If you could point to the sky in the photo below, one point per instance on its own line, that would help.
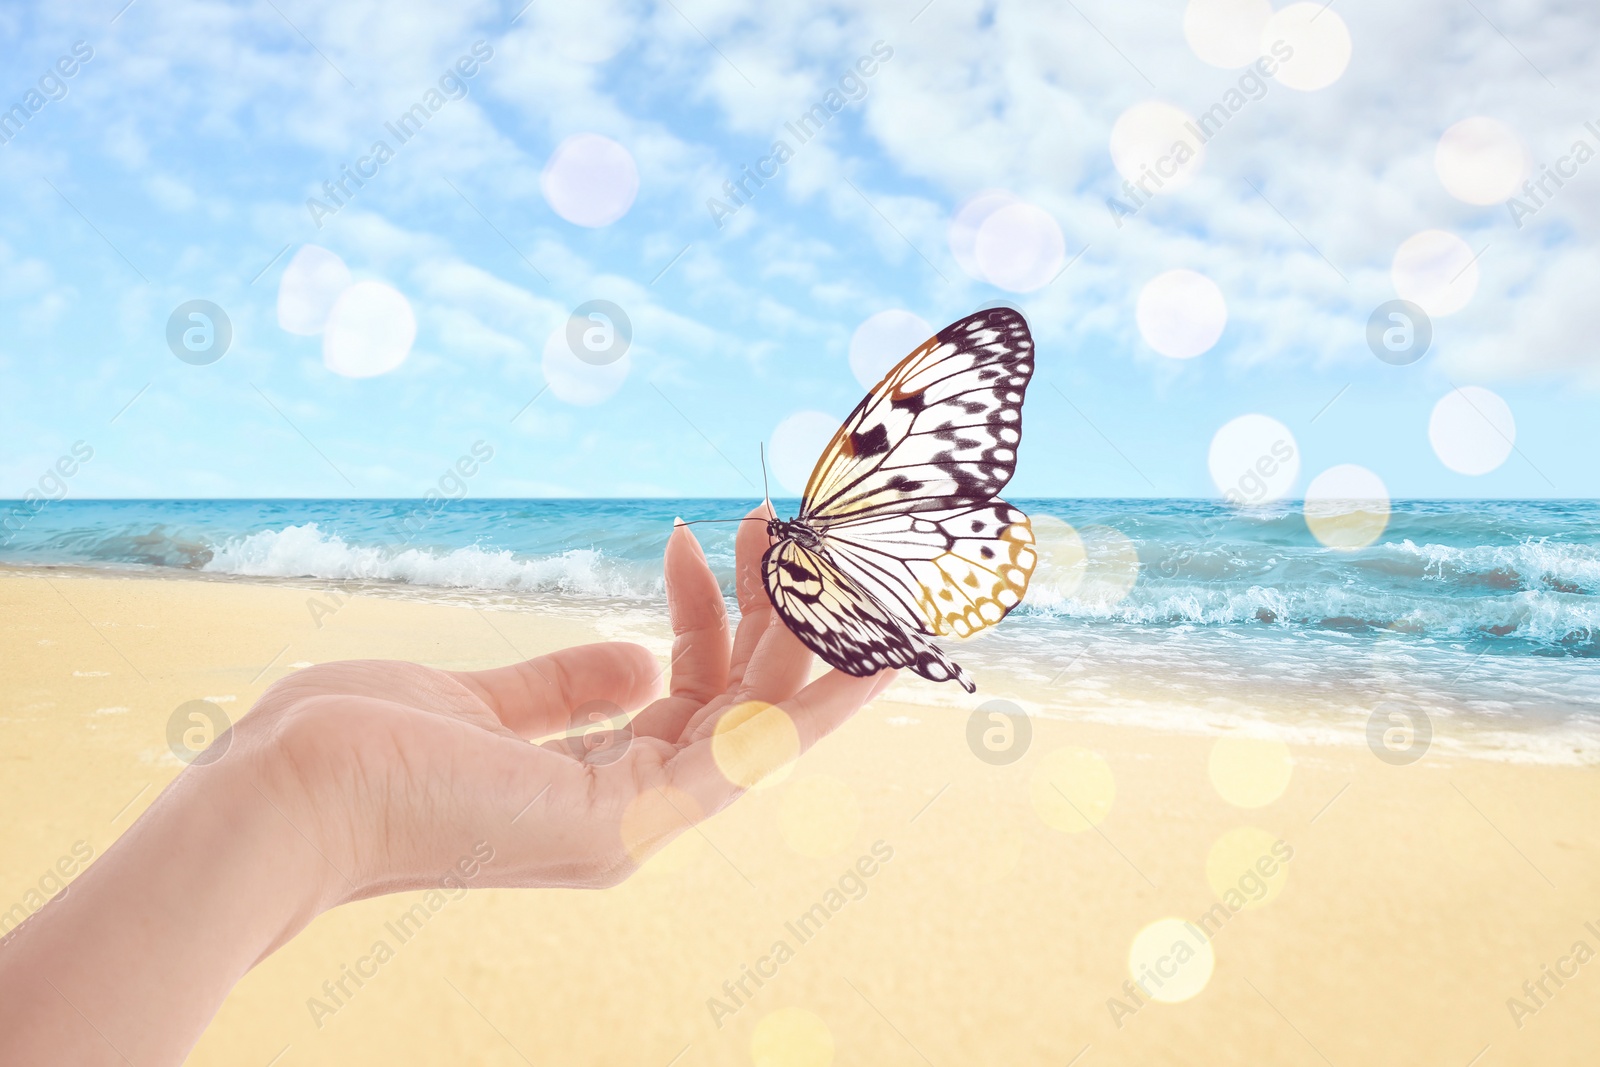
(1357, 153)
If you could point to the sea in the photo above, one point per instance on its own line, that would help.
(1464, 626)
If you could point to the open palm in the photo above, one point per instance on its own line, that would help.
(401, 774)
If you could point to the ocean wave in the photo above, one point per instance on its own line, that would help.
(1558, 621)
(1533, 563)
(1536, 592)
(309, 552)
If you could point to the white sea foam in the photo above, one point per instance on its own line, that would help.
(1555, 564)
(1542, 616)
(308, 552)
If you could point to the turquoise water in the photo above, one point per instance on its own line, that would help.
(1516, 576)
(1490, 608)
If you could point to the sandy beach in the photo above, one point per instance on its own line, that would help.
(896, 898)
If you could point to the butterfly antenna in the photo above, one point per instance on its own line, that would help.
(766, 494)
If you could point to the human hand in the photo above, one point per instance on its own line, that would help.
(396, 773)
(352, 779)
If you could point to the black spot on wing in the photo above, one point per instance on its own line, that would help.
(912, 402)
(872, 442)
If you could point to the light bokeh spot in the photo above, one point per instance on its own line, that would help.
(578, 381)
(1063, 559)
(796, 445)
(1250, 772)
(1481, 160)
(962, 233)
(590, 180)
(656, 817)
(1019, 248)
(1347, 507)
(1154, 140)
(1241, 862)
(1472, 430)
(1171, 960)
(1320, 40)
(1181, 313)
(1254, 459)
(1226, 33)
(1072, 789)
(755, 743)
(369, 331)
(1111, 566)
(820, 815)
(311, 284)
(1435, 270)
(883, 340)
(791, 1037)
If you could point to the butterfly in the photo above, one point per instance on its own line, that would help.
(901, 535)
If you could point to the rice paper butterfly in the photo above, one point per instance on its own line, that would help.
(901, 534)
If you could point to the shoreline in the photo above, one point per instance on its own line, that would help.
(1114, 694)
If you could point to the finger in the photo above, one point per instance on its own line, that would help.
(816, 711)
(769, 663)
(537, 697)
(756, 614)
(701, 643)
(755, 606)
(780, 665)
(777, 669)
(827, 703)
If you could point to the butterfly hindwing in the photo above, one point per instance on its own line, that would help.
(940, 431)
(842, 623)
(944, 572)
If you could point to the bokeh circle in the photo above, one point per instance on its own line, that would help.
(590, 180)
(1020, 248)
(1254, 459)
(369, 331)
(1472, 430)
(1347, 507)
(1181, 313)
(1481, 160)
(883, 340)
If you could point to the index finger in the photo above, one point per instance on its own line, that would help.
(700, 646)
(755, 607)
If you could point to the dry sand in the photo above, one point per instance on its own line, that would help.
(1417, 901)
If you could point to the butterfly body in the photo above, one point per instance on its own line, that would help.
(801, 533)
(901, 535)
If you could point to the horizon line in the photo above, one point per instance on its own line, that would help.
(665, 497)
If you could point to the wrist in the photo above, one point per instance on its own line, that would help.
(207, 882)
(248, 835)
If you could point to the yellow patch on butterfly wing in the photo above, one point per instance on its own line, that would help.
(964, 591)
(943, 572)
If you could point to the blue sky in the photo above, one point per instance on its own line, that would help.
(176, 163)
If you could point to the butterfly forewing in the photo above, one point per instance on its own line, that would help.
(939, 432)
